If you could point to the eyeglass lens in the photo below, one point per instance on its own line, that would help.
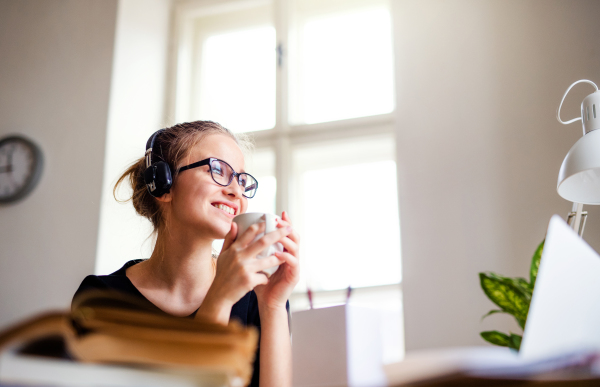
(222, 174)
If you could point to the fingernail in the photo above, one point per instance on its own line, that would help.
(288, 228)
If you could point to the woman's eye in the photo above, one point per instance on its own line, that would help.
(216, 168)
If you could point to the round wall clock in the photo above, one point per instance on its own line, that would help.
(20, 168)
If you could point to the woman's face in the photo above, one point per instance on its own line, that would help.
(196, 197)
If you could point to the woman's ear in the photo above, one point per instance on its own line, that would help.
(166, 198)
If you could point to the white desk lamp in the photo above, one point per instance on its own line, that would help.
(579, 176)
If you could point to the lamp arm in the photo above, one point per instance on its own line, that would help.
(563, 100)
(576, 218)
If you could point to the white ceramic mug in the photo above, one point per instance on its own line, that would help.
(248, 219)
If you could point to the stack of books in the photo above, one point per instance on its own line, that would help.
(112, 339)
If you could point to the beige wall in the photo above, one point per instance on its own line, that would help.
(55, 69)
(75, 75)
(479, 148)
(137, 101)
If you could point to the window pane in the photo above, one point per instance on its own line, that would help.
(349, 219)
(237, 87)
(344, 66)
(261, 165)
(231, 60)
(264, 201)
(355, 237)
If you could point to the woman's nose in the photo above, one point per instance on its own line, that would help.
(234, 189)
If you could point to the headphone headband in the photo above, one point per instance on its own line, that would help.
(150, 145)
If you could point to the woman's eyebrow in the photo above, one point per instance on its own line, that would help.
(242, 170)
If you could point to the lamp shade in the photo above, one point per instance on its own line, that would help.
(579, 176)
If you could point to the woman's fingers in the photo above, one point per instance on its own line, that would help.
(267, 262)
(289, 245)
(285, 217)
(230, 237)
(292, 237)
(251, 233)
(285, 221)
(267, 240)
(288, 258)
(261, 278)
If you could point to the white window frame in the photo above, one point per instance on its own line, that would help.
(284, 136)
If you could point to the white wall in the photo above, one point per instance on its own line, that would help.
(136, 111)
(479, 148)
(75, 75)
(55, 69)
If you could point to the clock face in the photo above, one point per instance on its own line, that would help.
(20, 168)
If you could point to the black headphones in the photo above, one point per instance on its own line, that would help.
(157, 176)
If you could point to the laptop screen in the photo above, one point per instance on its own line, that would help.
(564, 315)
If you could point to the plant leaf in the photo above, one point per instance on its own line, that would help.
(524, 285)
(515, 341)
(519, 282)
(496, 338)
(493, 311)
(509, 296)
(535, 264)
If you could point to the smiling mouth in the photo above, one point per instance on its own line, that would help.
(224, 208)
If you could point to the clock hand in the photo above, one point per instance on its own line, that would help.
(8, 168)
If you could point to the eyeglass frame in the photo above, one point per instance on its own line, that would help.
(235, 174)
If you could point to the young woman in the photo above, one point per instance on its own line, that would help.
(183, 277)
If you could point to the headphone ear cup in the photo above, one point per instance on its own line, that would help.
(158, 179)
(163, 178)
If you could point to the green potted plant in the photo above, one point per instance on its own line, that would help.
(512, 296)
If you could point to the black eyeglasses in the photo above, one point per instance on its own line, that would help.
(223, 175)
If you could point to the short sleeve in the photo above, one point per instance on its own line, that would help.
(116, 281)
(91, 282)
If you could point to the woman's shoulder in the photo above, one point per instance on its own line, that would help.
(115, 281)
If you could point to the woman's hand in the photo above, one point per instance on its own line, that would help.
(238, 269)
(275, 293)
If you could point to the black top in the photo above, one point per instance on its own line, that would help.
(245, 310)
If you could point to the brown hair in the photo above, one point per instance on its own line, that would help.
(172, 146)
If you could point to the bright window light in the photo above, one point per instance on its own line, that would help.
(264, 201)
(237, 84)
(345, 67)
(351, 233)
(261, 165)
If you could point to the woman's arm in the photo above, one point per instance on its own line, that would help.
(275, 345)
(239, 271)
(275, 348)
(214, 309)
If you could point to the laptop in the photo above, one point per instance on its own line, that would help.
(564, 314)
(562, 330)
